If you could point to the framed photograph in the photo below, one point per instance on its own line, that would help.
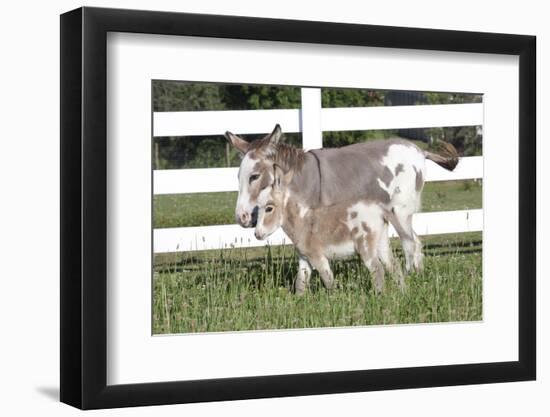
(258, 208)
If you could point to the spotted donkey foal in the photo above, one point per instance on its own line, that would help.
(324, 233)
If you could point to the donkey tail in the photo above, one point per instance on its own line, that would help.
(447, 156)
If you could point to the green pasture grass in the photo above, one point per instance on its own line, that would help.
(250, 289)
(183, 210)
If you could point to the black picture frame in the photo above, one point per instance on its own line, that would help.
(84, 207)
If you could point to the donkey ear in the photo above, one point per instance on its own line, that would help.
(239, 143)
(276, 135)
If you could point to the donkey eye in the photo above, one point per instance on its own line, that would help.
(269, 209)
(253, 178)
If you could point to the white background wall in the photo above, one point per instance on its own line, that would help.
(29, 225)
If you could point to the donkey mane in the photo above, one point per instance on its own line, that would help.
(289, 157)
(283, 154)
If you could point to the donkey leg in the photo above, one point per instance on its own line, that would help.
(368, 252)
(386, 256)
(322, 265)
(303, 276)
(417, 255)
(401, 219)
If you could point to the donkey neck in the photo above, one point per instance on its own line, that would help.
(305, 186)
(298, 218)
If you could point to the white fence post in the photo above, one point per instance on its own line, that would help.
(310, 118)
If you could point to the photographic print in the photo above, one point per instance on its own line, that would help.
(291, 207)
(284, 189)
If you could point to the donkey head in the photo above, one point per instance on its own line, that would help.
(255, 173)
(271, 207)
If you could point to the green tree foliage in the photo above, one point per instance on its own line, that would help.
(189, 152)
(213, 151)
(351, 97)
(259, 97)
(466, 139)
(263, 97)
(179, 96)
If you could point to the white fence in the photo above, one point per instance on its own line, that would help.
(311, 120)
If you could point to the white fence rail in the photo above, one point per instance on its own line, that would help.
(206, 180)
(232, 235)
(311, 120)
(216, 122)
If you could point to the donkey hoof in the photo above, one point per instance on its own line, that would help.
(299, 289)
(419, 263)
(331, 286)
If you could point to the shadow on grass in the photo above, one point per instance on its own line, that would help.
(458, 244)
(289, 264)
